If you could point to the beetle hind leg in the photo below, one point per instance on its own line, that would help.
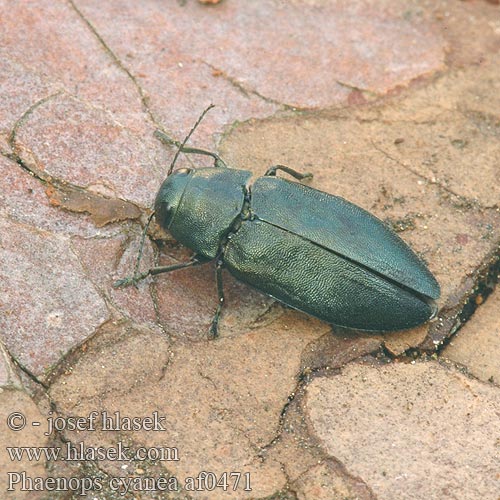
(271, 172)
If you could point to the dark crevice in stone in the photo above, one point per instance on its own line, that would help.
(142, 93)
(486, 282)
(247, 91)
(29, 374)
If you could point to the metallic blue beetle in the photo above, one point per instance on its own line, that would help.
(310, 250)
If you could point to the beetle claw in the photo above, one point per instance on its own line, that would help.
(213, 333)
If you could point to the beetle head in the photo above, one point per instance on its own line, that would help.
(170, 194)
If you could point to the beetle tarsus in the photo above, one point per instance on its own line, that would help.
(271, 172)
(213, 333)
(130, 280)
(121, 283)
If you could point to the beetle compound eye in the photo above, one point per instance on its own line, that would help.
(164, 214)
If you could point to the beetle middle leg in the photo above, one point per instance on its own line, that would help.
(271, 172)
(214, 328)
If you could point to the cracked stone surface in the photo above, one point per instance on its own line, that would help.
(393, 425)
(61, 308)
(392, 105)
(235, 414)
(355, 47)
(81, 145)
(14, 399)
(323, 481)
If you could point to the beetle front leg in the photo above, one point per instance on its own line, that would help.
(271, 172)
(214, 328)
(165, 139)
(133, 280)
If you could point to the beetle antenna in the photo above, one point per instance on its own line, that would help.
(183, 143)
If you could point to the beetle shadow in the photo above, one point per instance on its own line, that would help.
(186, 301)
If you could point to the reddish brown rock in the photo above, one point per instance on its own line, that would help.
(74, 142)
(187, 300)
(23, 199)
(308, 56)
(337, 348)
(222, 399)
(60, 308)
(325, 482)
(18, 412)
(409, 427)
(84, 85)
(17, 401)
(135, 303)
(20, 88)
(477, 344)
(9, 378)
(63, 51)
